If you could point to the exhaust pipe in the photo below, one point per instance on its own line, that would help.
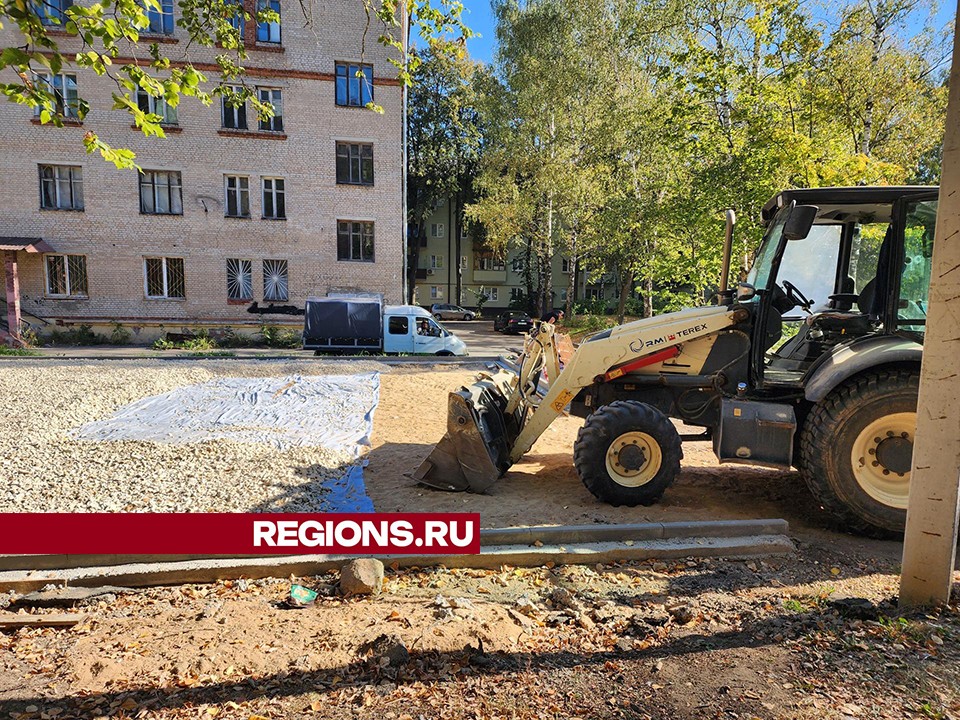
(725, 296)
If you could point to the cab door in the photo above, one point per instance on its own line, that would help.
(915, 218)
(429, 337)
(398, 334)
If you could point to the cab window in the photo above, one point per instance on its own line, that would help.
(398, 325)
(921, 218)
(811, 264)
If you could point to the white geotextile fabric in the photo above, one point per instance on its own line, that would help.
(330, 411)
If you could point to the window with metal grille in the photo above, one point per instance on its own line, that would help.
(160, 193)
(274, 97)
(61, 187)
(275, 281)
(51, 12)
(354, 85)
(355, 240)
(269, 32)
(239, 279)
(238, 196)
(274, 202)
(156, 106)
(63, 87)
(354, 163)
(163, 278)
(66, 275)
(161, 21)
(233, 113)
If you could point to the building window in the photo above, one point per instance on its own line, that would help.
(436, 293)
(492, 293)
(156, 106)
(437, 230)
(593, 293)
(274, 204)
(275, 283)
(355, 240)
(51, 12)
(269, 32)
(564, 265)
(237, 21)
(354, 164)
(517, 264)
(239, 279)
(354, 84)
(160, 193)
(238, 196)
(66, 275)
(163, 278)
(61, 187)
(488, 261)
(63, 87)
(233, 114)
(516, 294)
(436, 262)
(563, 294)
(274, 97)
(161, 21)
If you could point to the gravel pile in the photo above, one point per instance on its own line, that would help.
(43, 470)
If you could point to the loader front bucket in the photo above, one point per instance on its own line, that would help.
(475, 450)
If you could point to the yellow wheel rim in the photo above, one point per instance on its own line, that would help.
(881, 458)
(633, 459)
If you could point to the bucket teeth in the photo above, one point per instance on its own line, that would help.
(475, 450)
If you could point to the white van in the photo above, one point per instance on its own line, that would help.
(362, 324)
(411, 329)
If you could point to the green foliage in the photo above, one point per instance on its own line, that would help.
(17, 351)
(618, 133)
(480, 298)
(82, 335)
(29, 337)
(275, 337)
(120, 335)
(590, 307)
(109, 33)
(201, 341)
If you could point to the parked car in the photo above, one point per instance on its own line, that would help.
(512, 321)
(451, 312)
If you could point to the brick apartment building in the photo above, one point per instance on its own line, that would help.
(230, 211)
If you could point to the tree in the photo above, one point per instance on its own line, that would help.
(443, 140)
(111, 29)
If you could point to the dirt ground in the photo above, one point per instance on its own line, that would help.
(685, 640)
(814, 635)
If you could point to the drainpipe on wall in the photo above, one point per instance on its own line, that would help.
(449, 247)
(405, 29)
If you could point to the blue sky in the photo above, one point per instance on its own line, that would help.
(479, 18)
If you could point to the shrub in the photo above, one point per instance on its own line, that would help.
(83, 335)
(120, 335)
(275, 337)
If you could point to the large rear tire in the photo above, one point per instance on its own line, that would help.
(627, 453)
(857, 448)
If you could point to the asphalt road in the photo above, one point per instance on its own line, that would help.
(480, 337)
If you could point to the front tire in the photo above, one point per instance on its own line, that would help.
(438, 316)
(467, 317)
(857, 448)
(627, 453)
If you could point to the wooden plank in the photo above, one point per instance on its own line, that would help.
(54, 620)
(930, 540)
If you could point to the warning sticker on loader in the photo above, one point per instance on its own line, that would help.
(562, 399)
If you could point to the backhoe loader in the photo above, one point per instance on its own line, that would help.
(811, 362)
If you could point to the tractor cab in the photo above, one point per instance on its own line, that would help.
(837, 268)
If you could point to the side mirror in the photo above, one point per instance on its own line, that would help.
(746, 291)
(800, 221)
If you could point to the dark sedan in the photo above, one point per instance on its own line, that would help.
(512, 322)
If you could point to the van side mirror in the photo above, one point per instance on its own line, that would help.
(800, 221)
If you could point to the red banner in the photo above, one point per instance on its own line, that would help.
(239, 533)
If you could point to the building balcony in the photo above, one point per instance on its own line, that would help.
(490, 276)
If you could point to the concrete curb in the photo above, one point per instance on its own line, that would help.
(489, 537)
(145, 574)
(386, 360)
